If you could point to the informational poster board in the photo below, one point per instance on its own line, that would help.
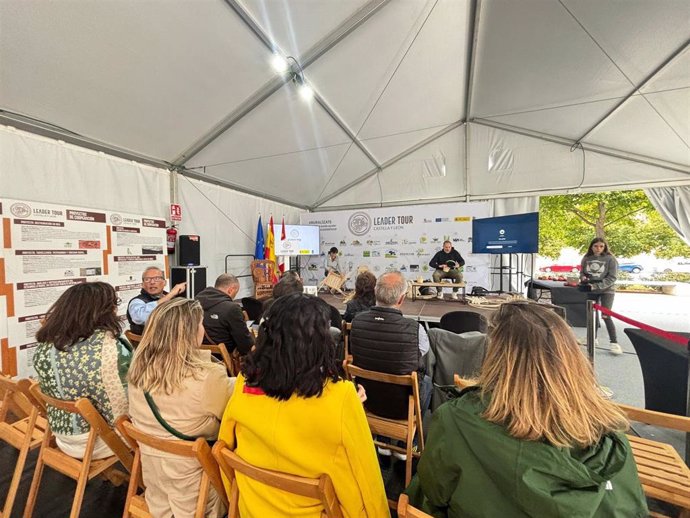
(47, 248)
(397, 238)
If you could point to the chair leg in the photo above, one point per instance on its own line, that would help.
(36, 481)
(83, 475)
(16, 477)
(204, 487)
(133, 482)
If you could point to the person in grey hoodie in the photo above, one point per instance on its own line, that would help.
(598, 274)
(223, 318)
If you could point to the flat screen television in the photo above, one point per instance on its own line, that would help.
(299, 240)
(514, 234)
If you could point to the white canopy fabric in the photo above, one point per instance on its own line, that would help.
(416, 100)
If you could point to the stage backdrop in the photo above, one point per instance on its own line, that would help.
(47, 248)
(397, 238)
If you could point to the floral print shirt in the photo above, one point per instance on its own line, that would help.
(95, 368)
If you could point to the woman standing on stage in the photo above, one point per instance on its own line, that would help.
(598, 274)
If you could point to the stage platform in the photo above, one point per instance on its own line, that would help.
(422, 310)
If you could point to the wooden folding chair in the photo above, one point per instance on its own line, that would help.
(334, 282)
(320, 489)
(663, 473)
(400, 429)
(20, 427)
(347, 327)
(81, 470)
(135, 505)
(405, 510)
(133, 338)
(231, 360)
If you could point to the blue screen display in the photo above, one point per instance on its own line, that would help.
(514, 234)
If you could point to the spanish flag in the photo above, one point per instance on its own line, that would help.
(270, 251)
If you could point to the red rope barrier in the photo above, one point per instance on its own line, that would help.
(654, 330)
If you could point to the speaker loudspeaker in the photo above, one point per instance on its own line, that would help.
(190, 251)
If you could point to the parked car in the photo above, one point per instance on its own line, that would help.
(560, 268)
(630, 268)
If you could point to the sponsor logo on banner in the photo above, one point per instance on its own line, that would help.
(462, 218)
(116, 219)
(21, 210)
(359, 223)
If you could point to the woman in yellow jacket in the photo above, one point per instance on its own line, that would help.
(294, 413)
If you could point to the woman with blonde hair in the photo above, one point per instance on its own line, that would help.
(170, 376)
(535, 438)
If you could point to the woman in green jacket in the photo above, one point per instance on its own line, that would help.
(534, 439)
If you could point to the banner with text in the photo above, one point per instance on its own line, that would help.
(47, 248)
(397, 238)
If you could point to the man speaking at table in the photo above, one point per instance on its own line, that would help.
(447, 264)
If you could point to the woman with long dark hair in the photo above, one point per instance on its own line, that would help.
(363, 298)
(81, 354)
(598, 274)
(535, 438)
(295, 413)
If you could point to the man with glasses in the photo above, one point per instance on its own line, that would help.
(152, 293)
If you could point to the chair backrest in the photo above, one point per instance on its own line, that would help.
(388, 395)
(231, 360)
(253, 307)
(405, 510)
(133, 338)
(320, 489)
(346, 328)
(661, 419)
(198, 449)
(463, 321)
(84, 408)
(14, 398)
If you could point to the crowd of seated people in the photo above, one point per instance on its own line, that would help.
(534, 439)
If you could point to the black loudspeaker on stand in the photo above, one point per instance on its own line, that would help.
(189, 251)
(194, 276)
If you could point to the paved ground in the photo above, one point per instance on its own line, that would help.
(622, 374)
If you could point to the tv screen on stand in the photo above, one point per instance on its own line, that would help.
(514, 234)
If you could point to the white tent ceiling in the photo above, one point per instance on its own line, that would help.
(415, 100)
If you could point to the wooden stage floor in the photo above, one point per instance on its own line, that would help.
(422, 310)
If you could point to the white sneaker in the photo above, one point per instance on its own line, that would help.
(384, 452)
(616, 349)
(454, 296)
(400, 456)
(439, 295)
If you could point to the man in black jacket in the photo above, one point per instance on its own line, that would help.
(383, 340)
(447, 263)
(223, 318)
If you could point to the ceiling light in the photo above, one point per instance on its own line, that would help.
(305, 91)
(279, 63)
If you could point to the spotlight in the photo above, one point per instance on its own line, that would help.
(279, 63)
(305, 91)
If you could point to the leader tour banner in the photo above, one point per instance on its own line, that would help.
(47, 248)
(397, 238)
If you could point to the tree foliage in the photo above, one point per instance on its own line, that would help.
(626, 219)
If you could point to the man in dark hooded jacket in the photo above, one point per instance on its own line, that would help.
(223, 318)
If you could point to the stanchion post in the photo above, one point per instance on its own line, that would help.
(687, 410)
(591, 331)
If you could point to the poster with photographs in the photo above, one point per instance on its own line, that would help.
(48, 248)
(397, 238)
